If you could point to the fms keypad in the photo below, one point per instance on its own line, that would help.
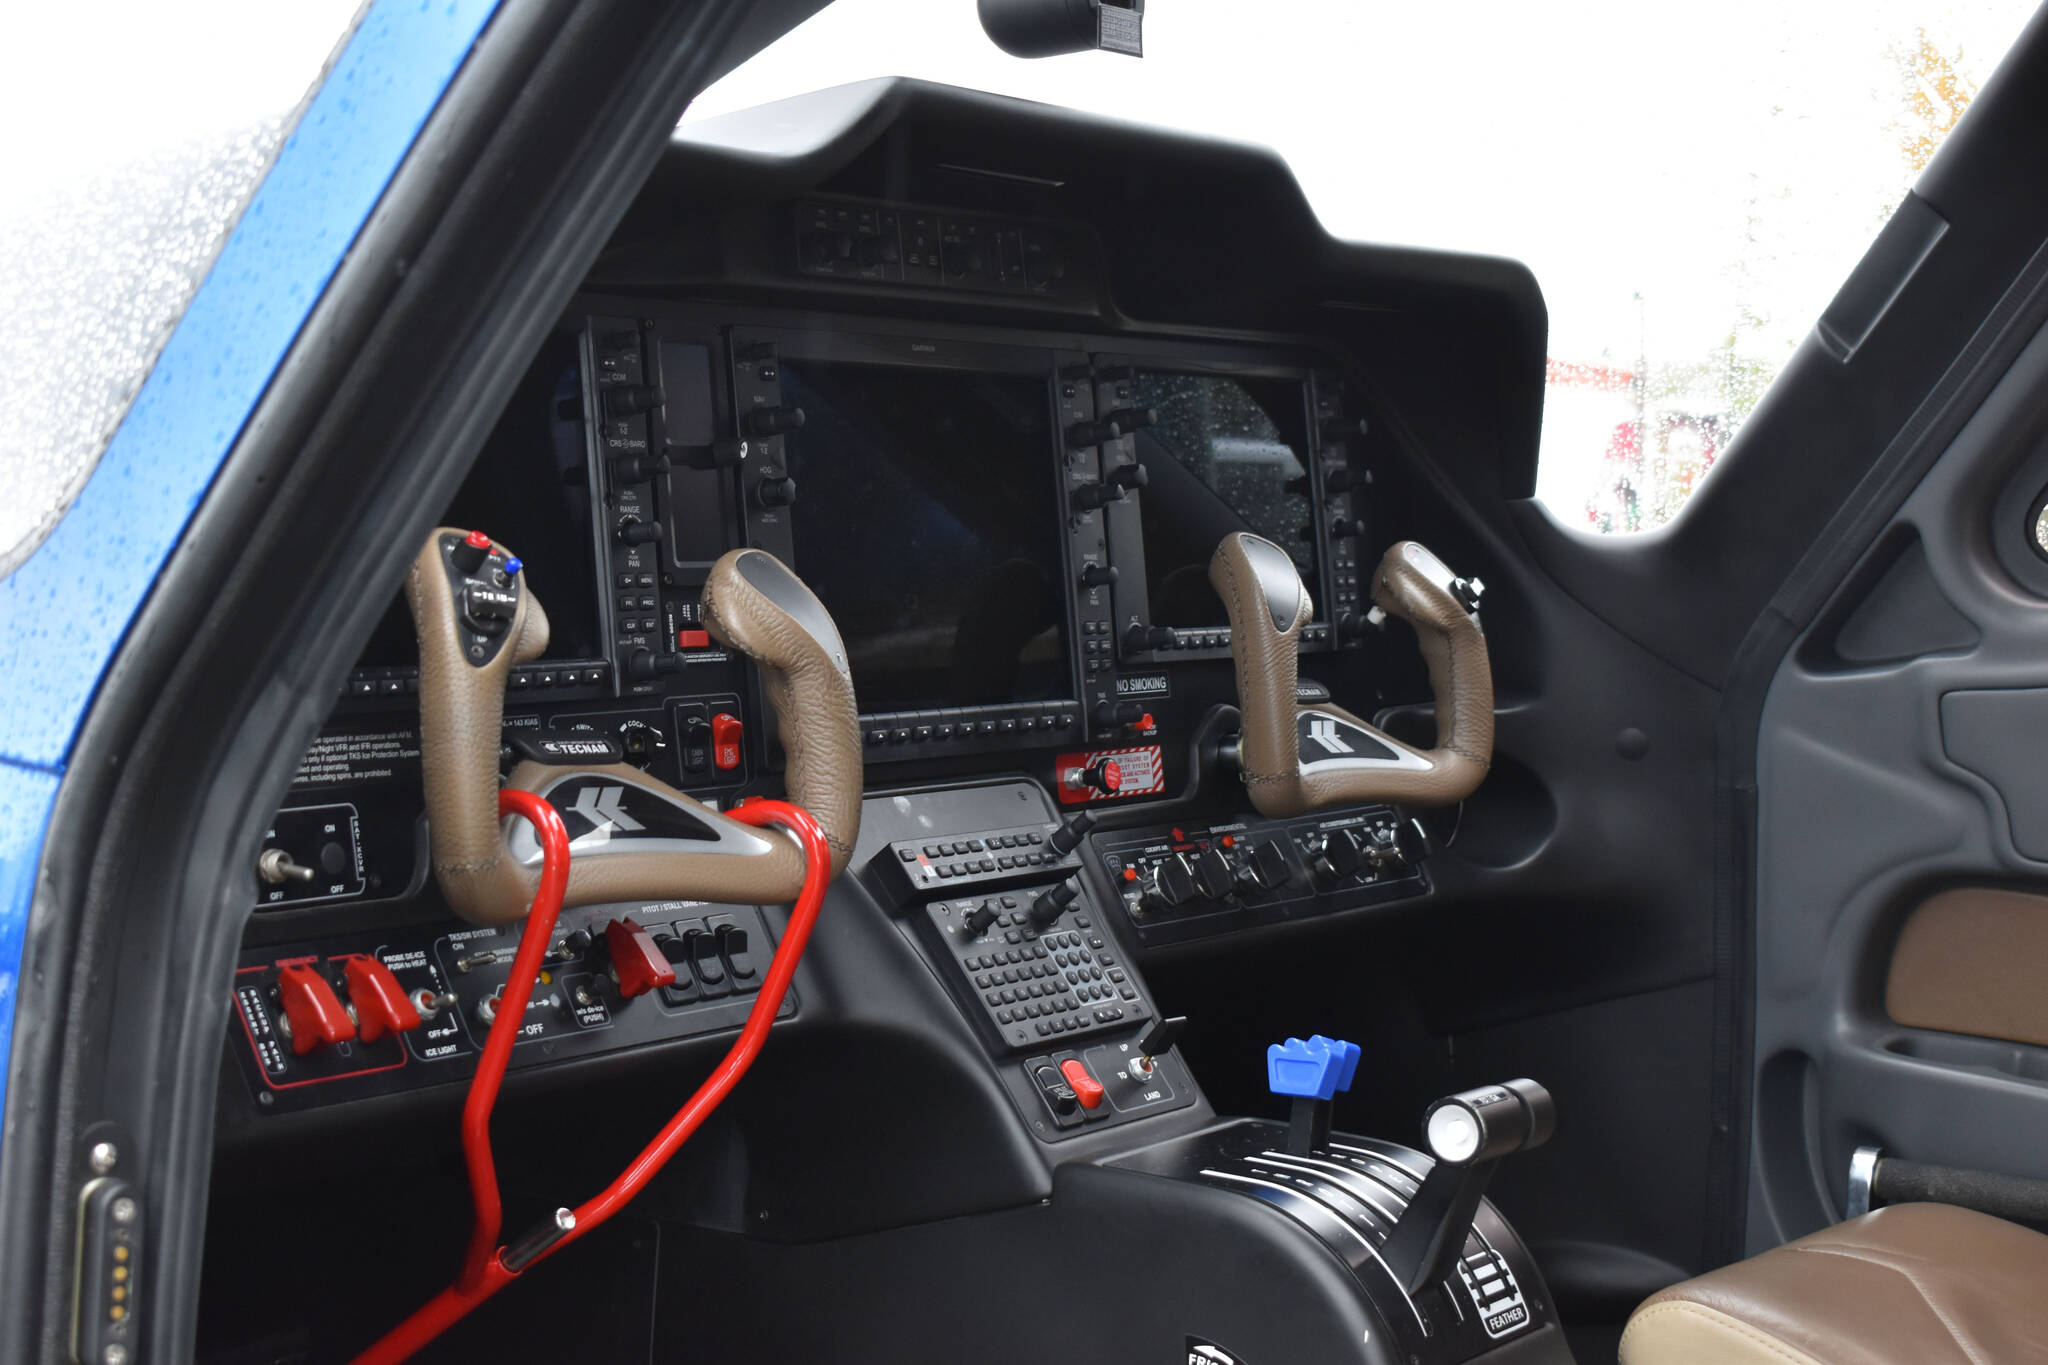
(1036, 981)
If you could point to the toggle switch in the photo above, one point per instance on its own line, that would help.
(702, 948)
(638, 964)
(1086, 1088)
(376, 999)
(313, 1014)
(736, 946)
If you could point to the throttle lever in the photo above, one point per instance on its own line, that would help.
(1468, 1133)
(1300, 758)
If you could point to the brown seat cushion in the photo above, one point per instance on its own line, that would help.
(1913, 1284)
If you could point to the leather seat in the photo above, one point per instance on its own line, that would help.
(1910, 1284)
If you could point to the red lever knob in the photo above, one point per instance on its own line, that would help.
(313, 1013)
(381, 1003)
(1086, 1088)
(638, 963)
(725, 740)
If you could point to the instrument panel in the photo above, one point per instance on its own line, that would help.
(1010, 527)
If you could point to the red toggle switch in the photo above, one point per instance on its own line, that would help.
(725, 740)
(638, 963)
(381, 1003)
(1086, 1088)
(313, 1013)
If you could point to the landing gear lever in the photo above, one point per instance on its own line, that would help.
(1468, 1133)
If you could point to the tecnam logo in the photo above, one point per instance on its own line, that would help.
(1323, 731)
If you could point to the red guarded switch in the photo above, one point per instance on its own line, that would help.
(726, 732)
(638, 963)
(313, 1013)
(381, 1004)
(1086, 1088)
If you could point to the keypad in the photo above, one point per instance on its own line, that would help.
(1036, 984)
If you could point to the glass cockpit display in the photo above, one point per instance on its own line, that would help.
(1226, 453)
(930, 529)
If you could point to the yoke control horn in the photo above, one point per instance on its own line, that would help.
(632, 837)
(1300, 758)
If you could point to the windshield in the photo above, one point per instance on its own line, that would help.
(1690, 186)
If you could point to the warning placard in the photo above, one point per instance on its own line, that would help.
(361, 756)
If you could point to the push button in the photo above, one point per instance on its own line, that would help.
(726, 732)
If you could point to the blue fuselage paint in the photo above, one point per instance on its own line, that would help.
(65, 611)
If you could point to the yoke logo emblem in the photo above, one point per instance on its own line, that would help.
(1323, 731)
(600, 806)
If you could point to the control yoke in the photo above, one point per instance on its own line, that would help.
(1300, 758)
(631, 837)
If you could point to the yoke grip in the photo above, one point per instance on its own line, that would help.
(754, 604)
(1355, 762)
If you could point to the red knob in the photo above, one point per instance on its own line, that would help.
(381, 1003)
(638, 962)
(313, 1013)
(1086, 1088)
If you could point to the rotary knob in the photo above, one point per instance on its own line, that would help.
(772, 421)
(1047, 908)
(1170, 885)
(1333, 856)
(1212, 874)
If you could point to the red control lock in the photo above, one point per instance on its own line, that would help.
(313, 1013)
(638, 963)
(380, 1002)
(1086, 1088)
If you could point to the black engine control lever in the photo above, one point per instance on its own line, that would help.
(1467, 1133)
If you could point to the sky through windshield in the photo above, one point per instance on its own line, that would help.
(1690, 186)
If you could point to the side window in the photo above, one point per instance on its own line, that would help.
(121, 188)
(1656, 362)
